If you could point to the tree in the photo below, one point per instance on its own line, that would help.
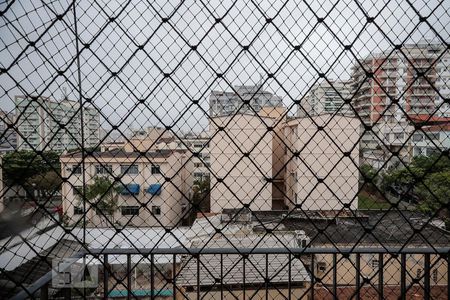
(19, 166)
(104, 195)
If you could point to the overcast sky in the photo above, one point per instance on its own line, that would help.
(114, 47)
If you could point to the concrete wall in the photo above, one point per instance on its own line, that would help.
(174, 195)
(321, 158)
(243, 177)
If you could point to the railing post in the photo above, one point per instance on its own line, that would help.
(380, 276)
(129, 276)
(403, 276)
(358, 276)
(312, 276)
(335, 297)
(44, 292)
(105, 276)
(427, 289)
(174, 270)
(152, 277)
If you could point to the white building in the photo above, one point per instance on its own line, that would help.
(153, 189)
(45, 124)
(8, 137)
(327, 97)
(198, 144)
(245, 99)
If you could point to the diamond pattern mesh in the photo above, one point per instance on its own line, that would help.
(235, 149)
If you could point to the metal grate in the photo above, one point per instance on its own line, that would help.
(241, 149)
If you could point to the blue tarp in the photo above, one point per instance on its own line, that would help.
(130, 189)
(154, 189)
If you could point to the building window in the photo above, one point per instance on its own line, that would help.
(418, 273)
(129, 169)
(398, 136)
(78, 210)
(375, 263)
(321, 267)
(198, 175)
(76, 190)
(156, 169)
(435, 275)
(417, 137)
(156, 210)
(76, 169)
(130, 210)
(103, 169)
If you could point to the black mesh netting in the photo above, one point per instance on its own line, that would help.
(225, 149)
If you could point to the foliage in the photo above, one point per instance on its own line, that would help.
(104, 194)
(35, 172)
(427, 177)
(367, 202)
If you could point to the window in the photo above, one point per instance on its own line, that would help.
(130, 210)
(198, 145)
(198, 175)
(198, 165)
(78, 210)
(156, 169)
(398, 136)
(321, 267)
(375, 263)
(77, 190)
(418, 273)
(129, 169)
(156, 210)
(417, 137)
(434, 275)
(76, 169)
(103, 169)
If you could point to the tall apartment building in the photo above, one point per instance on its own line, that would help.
(326, 97)
(145, 195)
(198, 144)
(8, 137)
(45, 124)
(245, 99)
(397, 75)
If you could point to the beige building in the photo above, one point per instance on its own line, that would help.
(241, 159)
(152, 190)
(324, 176)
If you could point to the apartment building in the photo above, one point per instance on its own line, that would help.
(243, 99)
(431, 140)
(8, 137)
(393, 84)
(327, 96)
(322, 160)
(241, 161)
(198, 144)
(46, 124)
(154, 189)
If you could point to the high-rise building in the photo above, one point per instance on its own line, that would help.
(8, 137)
(245, 99)
(45, 124)
(392, 87)
(412, 75)
(326, 97)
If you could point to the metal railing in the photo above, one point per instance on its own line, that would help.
(187, 150)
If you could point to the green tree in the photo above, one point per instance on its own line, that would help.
(103, 194)
(19, 166)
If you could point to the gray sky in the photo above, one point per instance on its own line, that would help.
(193, 73)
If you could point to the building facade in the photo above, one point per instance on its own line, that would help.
(199, 144)
(45, 124)
(8, 137)
(391, 86)
(244, 99)
(327, 97)
(322, 164)
(241, 161)
(153, 190)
